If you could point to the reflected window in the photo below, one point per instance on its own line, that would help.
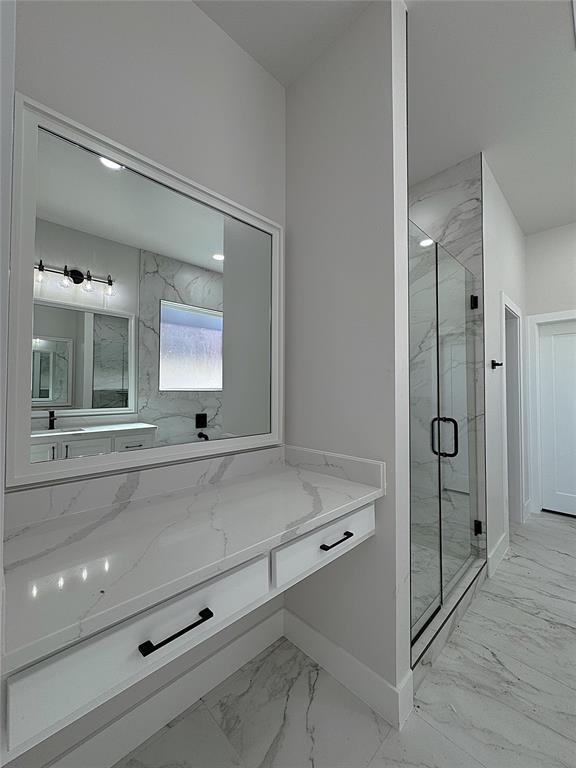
(190, 348)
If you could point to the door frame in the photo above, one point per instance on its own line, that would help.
(509, 307)
(535, 322)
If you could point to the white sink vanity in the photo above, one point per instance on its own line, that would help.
(157, 504)
(75, 442)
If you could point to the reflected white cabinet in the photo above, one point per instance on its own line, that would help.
(90, 441)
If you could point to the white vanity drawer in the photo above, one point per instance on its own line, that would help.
(86, 446)
(133, 442)
(43, 452)
(72, 682)
(305, 555)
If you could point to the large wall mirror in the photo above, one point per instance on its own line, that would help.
(145, 312)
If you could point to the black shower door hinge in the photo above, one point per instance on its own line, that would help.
(478, 527)
(474, 302)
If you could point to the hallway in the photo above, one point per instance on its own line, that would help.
(501, 695)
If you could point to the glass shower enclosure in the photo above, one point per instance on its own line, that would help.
(446, 363)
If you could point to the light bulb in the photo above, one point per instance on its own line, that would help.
(109, 289)
(84, 574)
(34, 590)
(66, 280)
(426, 242)
(106, 565)
(218, 257)
(111, 164)
(88, 285)
(61, 582)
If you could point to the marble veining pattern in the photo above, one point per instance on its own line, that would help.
(163, 278)
(485, 702)
(71, 576)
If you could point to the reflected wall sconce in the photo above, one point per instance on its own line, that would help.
(72, 277)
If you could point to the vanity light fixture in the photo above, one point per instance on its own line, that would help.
(84, 574)
(61, 582)
(72, 277)
(426, 242)
(218, 257)
(34, 590)
(111, 164)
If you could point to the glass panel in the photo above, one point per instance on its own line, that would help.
(190, 348)
(425, 502)
(456, 348)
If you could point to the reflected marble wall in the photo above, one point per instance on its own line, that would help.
(110, 377)
(163, 278)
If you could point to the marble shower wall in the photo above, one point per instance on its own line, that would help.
(110, 377)
(163, 278)
(448, 208)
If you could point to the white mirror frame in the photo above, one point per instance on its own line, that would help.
(30, 116)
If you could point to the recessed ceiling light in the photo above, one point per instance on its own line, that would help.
(218, 257)
(111, 164)
(426, 242)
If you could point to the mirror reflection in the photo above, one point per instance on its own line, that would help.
(152, 313)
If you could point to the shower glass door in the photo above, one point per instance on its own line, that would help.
(425, 542)
(457, 408)
(444, 486)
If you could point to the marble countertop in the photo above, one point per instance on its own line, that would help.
(72, 576)
(129, 427)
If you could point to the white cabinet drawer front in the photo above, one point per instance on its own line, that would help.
(93, 446)
(74, 681)
(43, 452)
(133, 442)
(306, 555)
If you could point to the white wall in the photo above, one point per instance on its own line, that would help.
(343, 369)
(165, 80)
(7, 40)
(551, 270)
(504, 271)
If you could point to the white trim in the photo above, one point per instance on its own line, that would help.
(394, 704)
(105, 748)
(30, 116)
(498, 553)
(534, 453)
(506, 303)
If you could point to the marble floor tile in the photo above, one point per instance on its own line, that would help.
(193, 740)
(505, 713)
(419, 745)
(284, 711)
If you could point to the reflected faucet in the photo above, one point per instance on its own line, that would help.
(51, 419)
(203, 436)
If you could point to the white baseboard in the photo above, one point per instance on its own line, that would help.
(497, 553)
(106, 748)
(394, 704)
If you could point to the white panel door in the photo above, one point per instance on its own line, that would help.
(558, 416)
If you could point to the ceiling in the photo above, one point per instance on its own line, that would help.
(284, 36)
(498, 77)
(75, 190)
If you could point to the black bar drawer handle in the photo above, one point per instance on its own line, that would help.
(328, 547)
(148, 647)
(134, 445)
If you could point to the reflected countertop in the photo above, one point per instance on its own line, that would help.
(136, 426)
(72, 576)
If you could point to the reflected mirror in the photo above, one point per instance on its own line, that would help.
(152, 312)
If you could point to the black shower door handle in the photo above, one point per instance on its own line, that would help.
(447, 454)
(433, 436)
